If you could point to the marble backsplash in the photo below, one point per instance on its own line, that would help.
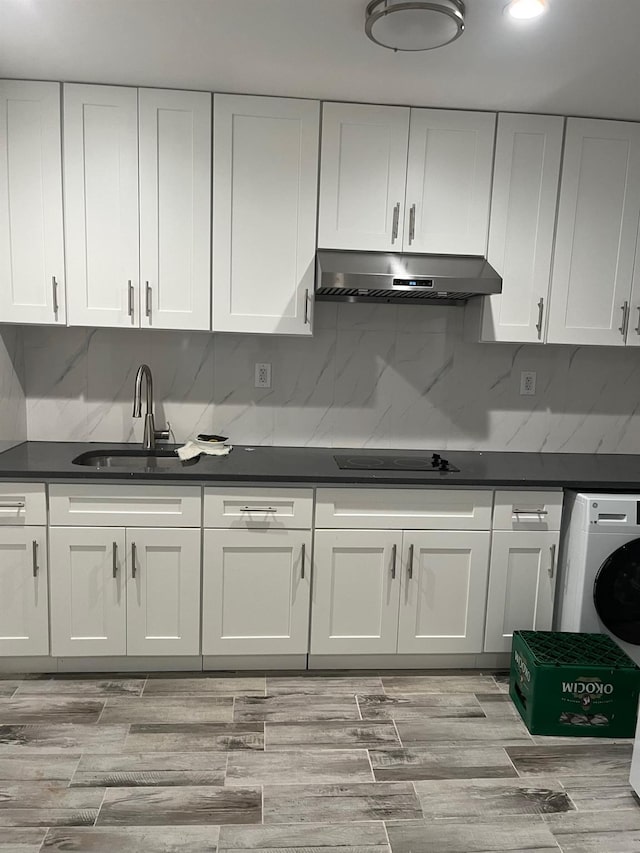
(13, 412)
(372, 376)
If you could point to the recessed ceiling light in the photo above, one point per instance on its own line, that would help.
(414, 24)
(524, 10)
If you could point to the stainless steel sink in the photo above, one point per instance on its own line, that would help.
(158, 459)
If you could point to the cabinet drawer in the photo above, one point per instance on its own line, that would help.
(22, 503)
(527, 510)
(125, 506)
(281, 508)
(404, 509)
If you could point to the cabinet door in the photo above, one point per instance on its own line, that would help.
(522, 582)
(256, 592)
(355, 592)
(88, 603)
(362, 177)
(175, 209)
(449, 182)
(523, 214)
(163, 591)
(596, 233)
(31, 234)
(24, 615)
(101, 205)
(444, 591)
(265, 177)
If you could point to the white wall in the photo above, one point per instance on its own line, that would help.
(13, 413)
(373, 375)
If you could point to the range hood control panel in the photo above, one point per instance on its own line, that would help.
(412, 282)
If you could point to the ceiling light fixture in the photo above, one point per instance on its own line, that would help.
(414, 25)
(525, 10)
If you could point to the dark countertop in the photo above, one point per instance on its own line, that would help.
(313, 465)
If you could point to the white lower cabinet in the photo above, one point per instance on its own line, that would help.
(522, 584)
(444, 588)
(256, 592)
(117, 591)
(24, 622)
(356, 591)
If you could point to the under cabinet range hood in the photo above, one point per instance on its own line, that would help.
(346, 276)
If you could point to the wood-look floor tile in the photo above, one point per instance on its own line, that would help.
(330, 735)
(82, 686)
(8, 688)
(134, 839)
(61, 738)
(21, 839)
(155, 768)
(49, 709)
(295, 707)
(38, 768)
(570, 760)
(164, 709)
(439, 684)
(434, 731)
(596, 832)
(589, 794)
(287, 768)
(306, 838)
(194, 737)
(550, 740)
(418, 706)
(324, 685)
(205, 686)
(340, 803)
(48, 804)
(498, 706)
(462, 797)
(515, 833)
(180, 806)
(469, 762)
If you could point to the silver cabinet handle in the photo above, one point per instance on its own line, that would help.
(530, 511)
(395, 223)
(147, 299)
(34, 555)
(394, 555)
(133, 559)
(637, 329)
(302, 558)
(54, 287)
(115, 559)
(552, 564)
(540, 313)
(410, 565)
(412, 223)
(258, 509)
(130, 293)
(306, 307)
(625, 319)
(13, 505)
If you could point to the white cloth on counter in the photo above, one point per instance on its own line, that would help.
(194, 448)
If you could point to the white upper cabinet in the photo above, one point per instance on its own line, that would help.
(523, 214)
(32, 282)
(101, 204)
(175, 209)
(596, 234)
(265, 174)
(363, 176)
(448, 182)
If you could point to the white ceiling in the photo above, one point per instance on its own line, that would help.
(580, 59)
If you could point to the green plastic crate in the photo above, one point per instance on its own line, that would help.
(573, 684)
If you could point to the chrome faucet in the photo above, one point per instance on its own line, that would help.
(151, 434)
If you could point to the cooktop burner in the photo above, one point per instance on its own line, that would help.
(432, 463)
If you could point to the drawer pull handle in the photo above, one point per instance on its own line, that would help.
(34, 555)
(303, 558)
(552, 564)
(14, 505)
(394, 554)
(258, 509)
(410, 566)
(133, 559)
(530, 511)
(115, 559)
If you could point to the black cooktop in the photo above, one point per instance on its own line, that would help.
(430, 462)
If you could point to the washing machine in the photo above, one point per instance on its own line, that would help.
(600, 568)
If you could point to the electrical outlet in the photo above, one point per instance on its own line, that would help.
(263, 375)
(528, 382)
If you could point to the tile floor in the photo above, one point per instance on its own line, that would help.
(339, 763)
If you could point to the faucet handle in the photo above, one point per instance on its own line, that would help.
(163, 434)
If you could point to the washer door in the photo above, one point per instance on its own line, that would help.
(616, 592)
